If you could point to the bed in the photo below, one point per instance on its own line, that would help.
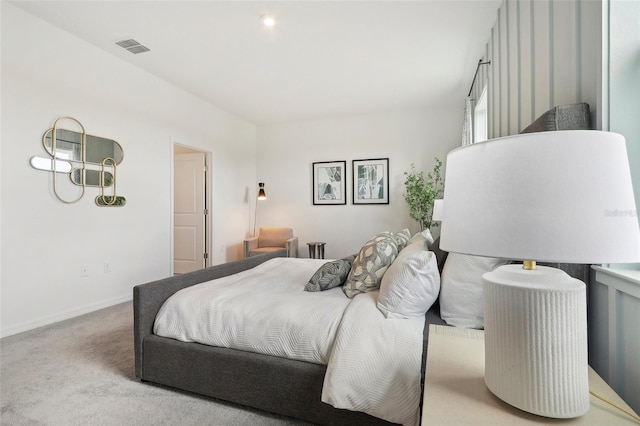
(273, 383)
(291, 387)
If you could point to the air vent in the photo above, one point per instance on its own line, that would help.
(132, 46)
(138, 49)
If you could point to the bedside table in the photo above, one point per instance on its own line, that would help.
(455, 393)
(316, 249)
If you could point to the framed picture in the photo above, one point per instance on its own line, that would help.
(329, 182)
(371, 181)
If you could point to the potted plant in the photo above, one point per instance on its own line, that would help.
(421, 193)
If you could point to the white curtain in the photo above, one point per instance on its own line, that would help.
(467, 135)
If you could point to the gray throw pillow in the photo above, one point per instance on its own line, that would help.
(331, 274)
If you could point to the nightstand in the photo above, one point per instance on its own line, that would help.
(455, 393)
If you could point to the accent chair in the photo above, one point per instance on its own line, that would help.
(271, 239)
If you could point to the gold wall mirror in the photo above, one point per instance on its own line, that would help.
(89, 161)
(47, 164)
(69, 147)
(91, 178)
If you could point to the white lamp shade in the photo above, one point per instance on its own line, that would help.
(563, 196)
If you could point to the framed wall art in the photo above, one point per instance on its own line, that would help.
(371, 181)
(329, 182)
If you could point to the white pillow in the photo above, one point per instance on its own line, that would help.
(461, 302)
(424, 236)
(411, 284)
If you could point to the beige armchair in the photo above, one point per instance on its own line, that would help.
(271, 239)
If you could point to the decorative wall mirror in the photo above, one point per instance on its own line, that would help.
(69, 146)
(89, 161)
(91, 178)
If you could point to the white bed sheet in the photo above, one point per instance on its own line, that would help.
(264, 310)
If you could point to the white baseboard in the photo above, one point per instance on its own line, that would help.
(61, 316)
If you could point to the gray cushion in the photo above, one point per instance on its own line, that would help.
(563, 117)
(331, 274)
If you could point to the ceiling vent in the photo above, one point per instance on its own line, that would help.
(132, 46)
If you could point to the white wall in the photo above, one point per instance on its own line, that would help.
(48, 73)
(286, 153)
(543, 53)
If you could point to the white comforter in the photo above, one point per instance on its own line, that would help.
(373, 363)
(264, 309)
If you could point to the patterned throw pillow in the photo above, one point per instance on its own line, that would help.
(330, 275)
(370, 264)
(402, 238)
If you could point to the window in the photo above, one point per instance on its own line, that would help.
(480, 119)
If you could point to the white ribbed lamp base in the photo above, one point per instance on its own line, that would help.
(536, 340)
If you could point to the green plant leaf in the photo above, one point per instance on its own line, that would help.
(421, 192)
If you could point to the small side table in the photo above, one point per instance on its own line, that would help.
(316, 250)
(455, 393)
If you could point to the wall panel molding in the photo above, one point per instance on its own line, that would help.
(503, 63)
(513, 65)
(542, 54)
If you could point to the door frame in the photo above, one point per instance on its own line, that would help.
(208, 185)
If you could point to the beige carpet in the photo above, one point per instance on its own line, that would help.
(80, 372)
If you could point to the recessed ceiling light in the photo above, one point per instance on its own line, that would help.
(268, 20)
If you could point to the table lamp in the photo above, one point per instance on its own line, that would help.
(563, 196)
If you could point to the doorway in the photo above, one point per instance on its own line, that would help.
(190, 210)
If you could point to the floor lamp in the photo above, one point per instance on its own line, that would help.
(563, 196)
(261, 196)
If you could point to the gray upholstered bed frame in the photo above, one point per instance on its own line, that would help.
(288, 387)
(283, 386)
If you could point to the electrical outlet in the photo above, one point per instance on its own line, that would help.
(84, 271)
(107, 267)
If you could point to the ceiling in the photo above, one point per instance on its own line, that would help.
(322, 59)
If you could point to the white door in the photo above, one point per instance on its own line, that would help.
(189, 212)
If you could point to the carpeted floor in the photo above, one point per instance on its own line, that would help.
(80, 372)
